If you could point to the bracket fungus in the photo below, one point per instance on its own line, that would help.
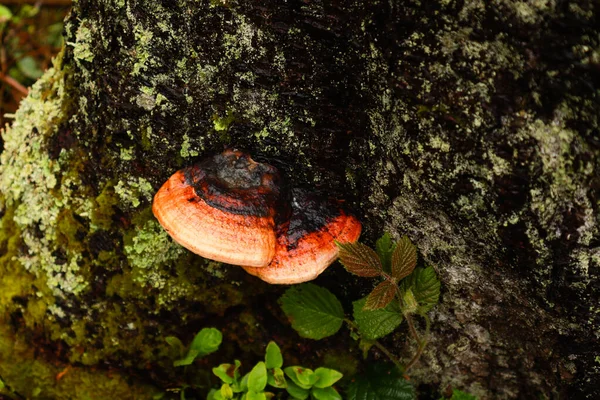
(232, 209)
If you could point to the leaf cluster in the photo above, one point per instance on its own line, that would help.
(300, 383)
(316, 313)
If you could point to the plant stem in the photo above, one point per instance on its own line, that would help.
(408, 317)
(422, 344)
(411, 327)
(379, 346)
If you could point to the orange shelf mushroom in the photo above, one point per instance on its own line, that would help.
(230, 208)
(222, 209)
(306, 244)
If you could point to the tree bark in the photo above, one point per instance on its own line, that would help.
(470, 126)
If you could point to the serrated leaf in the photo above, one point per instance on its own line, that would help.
(384, 248)
(327, 393)
(381, 296)
(404, 258)
(381, 383)
(360, 259)
(273, 357)
(327, 377)
(257, 380)
(425, 287)
(377, 323)
(314, 311)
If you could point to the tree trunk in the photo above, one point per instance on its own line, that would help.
(470, 126)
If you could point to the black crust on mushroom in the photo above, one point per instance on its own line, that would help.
(233, 183)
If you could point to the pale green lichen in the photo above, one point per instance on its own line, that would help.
(186, 148)
(132, 190)
(151, 247)
(29, 180)
(82, 48)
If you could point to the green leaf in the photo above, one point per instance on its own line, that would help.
(243, 385)
(314, 311)
(225, 372)
(5, 14)
(360, 259)
(377, 323)
(404, 258)
(297, 392)
(257, 380)
(425, 286)
(273, 357)
(381, 382)
(276, 378)
(251, 395)
(212, 395)
(381, 296)
(303, 377)
(226, 392)
(29, 67)
(385, 248)
(460, 395)
(176, 344)
(205, 342)
(365, 345)
(187, 360)
(409, 302)
(327, 377)
(327, 393)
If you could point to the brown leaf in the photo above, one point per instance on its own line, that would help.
(404, 258)
(359, 259)
(381, 296)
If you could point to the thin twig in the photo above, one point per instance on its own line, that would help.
(380, 347)
(12, 82)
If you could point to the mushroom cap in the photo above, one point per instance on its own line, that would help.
(306, 247)
(222, 208)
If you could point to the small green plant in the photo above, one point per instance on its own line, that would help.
(299, 382)
(205, 342)
(403, 293)
(460, 395)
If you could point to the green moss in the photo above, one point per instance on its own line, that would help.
(103, 208)
(32, 376)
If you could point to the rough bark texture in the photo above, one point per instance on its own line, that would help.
(471, 126)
